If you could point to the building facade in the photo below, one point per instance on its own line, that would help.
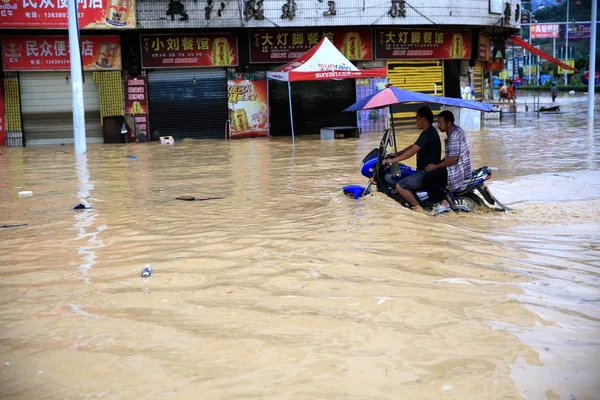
(183, 67)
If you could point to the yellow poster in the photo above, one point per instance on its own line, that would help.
(570, 63)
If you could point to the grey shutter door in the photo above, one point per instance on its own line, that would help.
(46, 107)
(188, 103)
(316, 104)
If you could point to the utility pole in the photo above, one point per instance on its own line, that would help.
(76, 79)
(592, 65)
(567, 43)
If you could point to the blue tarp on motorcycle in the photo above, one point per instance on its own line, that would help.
(391, 95)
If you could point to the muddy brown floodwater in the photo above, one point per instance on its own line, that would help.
(286, 289)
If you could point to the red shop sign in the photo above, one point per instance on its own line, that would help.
(406, 43)
(51, 53)
(52, 14)
(284, 46)
(189, 50)
(495, 65)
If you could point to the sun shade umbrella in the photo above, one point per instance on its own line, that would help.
(390, 95)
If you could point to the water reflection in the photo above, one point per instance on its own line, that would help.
(85, 219)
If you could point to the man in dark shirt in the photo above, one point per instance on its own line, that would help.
(428, 149)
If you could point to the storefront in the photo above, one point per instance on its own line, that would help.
(40, 64)
(36, 65)
(315, 104)
(187, 83)
(422, 60)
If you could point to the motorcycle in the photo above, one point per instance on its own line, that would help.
(385, 178)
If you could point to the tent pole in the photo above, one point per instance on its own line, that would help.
(393, 129)
(291, 113)
(268, 111)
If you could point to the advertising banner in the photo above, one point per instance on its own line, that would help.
(544, 31)
(570, 63)
(496, 64)
(248, 105)
(51, 53)
(580, 31)
(484, 48)
(136, 103)
(52, 14)
(285, 46)
(189, 50)
(405, 43)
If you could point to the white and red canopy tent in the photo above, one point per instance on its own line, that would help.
(322, 62)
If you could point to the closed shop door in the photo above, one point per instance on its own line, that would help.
(46, 106)
(315, 105)
(188, 103)
(425, 76)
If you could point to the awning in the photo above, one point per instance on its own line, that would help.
(520, 42)
(323, 62)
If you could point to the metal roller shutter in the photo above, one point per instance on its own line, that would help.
(425, 76)
(47, 110)
(188, 103)
(315, 105)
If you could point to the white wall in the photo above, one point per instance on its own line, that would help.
(152, 14)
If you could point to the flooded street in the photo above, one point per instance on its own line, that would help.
(284, 288)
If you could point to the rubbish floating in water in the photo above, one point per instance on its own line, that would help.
(26, 193)
(571, 92)
(147, 271)
(81, 207)
(167, 140)
(447, 387)
(192, 198)
(132, 157)
(6, 226)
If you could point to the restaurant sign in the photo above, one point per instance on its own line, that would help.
(189, 50)
(52, 14)
(284, 46)
(403, 43)
(51, 53)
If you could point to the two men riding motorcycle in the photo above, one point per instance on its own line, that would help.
(434, 174)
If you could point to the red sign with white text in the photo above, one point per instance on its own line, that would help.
(189, 50)
(136, 102)
(544, 31)
(52, 14)
(284, 46)
(405, 43)
(51, 53)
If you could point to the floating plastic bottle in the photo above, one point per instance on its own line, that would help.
(147, 271)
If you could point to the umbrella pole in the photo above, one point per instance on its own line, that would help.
(291, 113)
(393, 129)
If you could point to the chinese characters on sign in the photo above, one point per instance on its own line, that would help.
(51, 53)
(544, 31)
(93, 14)
(580, 31)
(136, 103)
(247, 101)
(285, 46)
(484, 48)
(189, 50)
(421, 44)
